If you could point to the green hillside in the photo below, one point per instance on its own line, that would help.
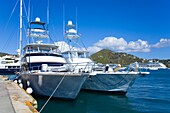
(106, 56)
(3, 54)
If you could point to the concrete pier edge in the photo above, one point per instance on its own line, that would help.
(14, 99)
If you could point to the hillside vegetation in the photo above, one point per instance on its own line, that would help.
(3, 54)
(106, 56)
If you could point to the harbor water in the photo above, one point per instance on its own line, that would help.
(149, 94)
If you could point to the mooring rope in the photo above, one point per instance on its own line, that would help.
(52, 94)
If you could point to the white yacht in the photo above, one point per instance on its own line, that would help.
(100, 79)
(152, 65)
(9, 65)
(44, 69)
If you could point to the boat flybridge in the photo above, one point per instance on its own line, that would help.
(77, 57)
(78, 60)
(37, 54)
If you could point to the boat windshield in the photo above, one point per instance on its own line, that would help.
(79, 55)
(40, 49)
(82, 55)
(75, 54)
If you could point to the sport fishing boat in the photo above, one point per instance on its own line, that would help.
(9, 65)
(107, 78)
(44, 69)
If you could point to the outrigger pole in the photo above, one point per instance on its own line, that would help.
(20, 45)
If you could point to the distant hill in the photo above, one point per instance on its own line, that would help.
(3, 54)
(106, 56)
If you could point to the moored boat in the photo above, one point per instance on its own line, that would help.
(100, 79)
(112, 80)
(9, 65)
(151, 65)
(44, 69)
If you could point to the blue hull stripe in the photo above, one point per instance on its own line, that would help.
(9, 71)
(42, 54)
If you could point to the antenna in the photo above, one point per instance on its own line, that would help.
(47, 14)
(28, 18)
(20, 31)
(76, 19)
(63, 20)
(63, 24)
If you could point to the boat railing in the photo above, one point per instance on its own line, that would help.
(84, 67)
(81, 67)
(115, 67)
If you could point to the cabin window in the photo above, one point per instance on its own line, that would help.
(44, 49)
(73, 54)
(36, 49)
(16, 61)
(65, 55)
(86, 55)
(29, 49)
(81, 55)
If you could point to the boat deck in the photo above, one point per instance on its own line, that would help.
(57, 73)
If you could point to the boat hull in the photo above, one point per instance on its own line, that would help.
(110, 82)
(45, 84)
(9, 71)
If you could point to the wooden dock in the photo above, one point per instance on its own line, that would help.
(14, 99)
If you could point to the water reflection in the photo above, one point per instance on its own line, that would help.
(88, 102)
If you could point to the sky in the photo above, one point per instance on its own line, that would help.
(137, 27)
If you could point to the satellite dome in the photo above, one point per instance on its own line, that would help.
(37, 19)
(70, 23)
(72, 31)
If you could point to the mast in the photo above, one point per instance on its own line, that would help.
(20, 45)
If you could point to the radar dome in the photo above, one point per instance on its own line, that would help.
(72, 31)
(37, 19)
(70, 23)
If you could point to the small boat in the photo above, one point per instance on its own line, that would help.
(9, 65)
(99, 79)
(143, 73)
(44, 69)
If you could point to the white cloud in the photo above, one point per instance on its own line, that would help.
(94, 49)
(120, 44)
(162, 43)
(138, 46)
